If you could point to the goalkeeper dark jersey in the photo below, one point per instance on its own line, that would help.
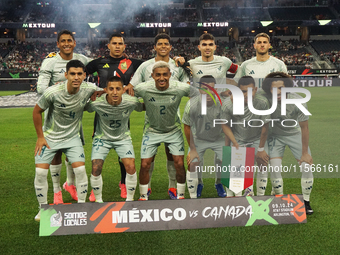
(107, 67)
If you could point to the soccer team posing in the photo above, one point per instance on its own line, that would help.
(160, 82)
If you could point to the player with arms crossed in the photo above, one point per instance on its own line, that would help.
(66, 102)
(112, 132)
(162, 97)
(114, 65)
(250, 136)
(143, 74)
(52, 71)
(296, 138)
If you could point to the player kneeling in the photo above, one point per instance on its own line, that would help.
(112, 132)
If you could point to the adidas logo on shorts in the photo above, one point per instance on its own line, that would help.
(129, 153)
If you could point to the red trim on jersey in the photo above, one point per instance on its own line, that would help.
(233, 68)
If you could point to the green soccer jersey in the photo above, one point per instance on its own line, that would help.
(243, 128)
(53, 68)
(144, 71)
(112, 123)
(203, 125)
(259, 70)
(65, 110)
(292, 113)
(161, 106)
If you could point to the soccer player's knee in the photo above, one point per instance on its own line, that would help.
(80, 173)
(40, 175)
(130, 168)
(306, 170)
(179, 162)
(96, 170)
(145, 165)
(275, 170)
(194, 166)
(97, 166)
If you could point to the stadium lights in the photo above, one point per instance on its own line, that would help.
(93, 25)
(266, 23)
(324, 22)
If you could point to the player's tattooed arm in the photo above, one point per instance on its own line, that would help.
(97, 166)
(179, 60)
(37, 120)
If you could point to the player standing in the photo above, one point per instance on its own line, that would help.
(258, 67)
(217, 66)
(296, 138)
(162, 97)
(112, 132)
(262, 64)
(66, 102)
(143, 74)
(52, 71)
(116, 64)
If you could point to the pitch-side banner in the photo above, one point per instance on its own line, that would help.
(117, 217)
(237, 168)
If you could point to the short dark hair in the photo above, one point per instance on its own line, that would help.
(75, 63)
(116, 35)
(207, 79)
(276, 76)
(207, 36)
(246, 80)
(114, 79)
(162, 36)
(65, 32)
(262, 35)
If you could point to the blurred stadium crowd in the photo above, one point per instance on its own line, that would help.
(27, 56)
(18, 56)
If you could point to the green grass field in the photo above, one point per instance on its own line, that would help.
(19, 233)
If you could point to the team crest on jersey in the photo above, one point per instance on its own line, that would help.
(123, 66)
(173, 99)
(220, 68)
(51, 55)
(125, 113)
